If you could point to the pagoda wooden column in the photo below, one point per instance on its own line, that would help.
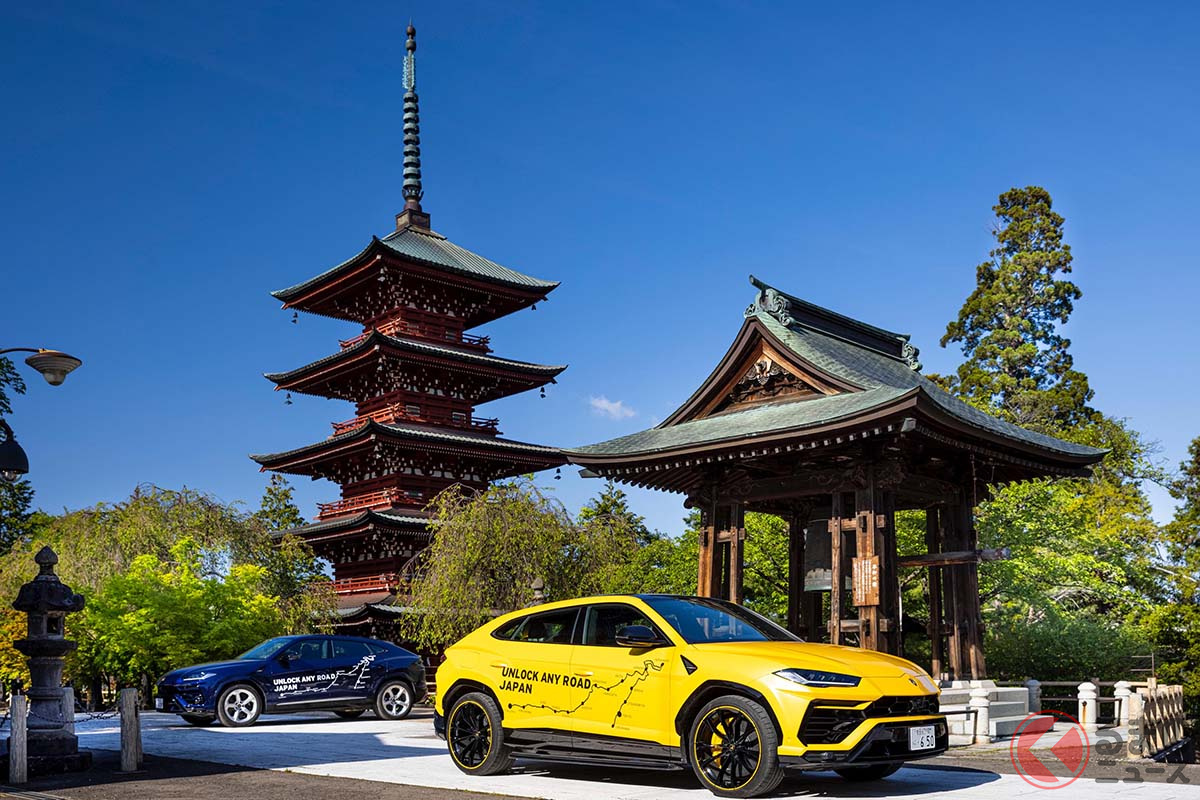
(708, 578)
(951, 593)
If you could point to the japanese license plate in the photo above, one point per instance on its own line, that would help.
(158, 704)
(921, 738)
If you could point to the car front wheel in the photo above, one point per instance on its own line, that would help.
(239, 706)
(475, 736)
(734, 749)
(394, 700)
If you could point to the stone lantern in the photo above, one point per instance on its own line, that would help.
(46, 601)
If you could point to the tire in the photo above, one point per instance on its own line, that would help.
(394, 700)
(197, 720)
(239, 706)
(350, 713)
(475, 736)
(874, 772)
(742, 730)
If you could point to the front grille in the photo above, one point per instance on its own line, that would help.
(829, 722)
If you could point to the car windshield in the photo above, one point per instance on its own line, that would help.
(700, 620)
(268, 648)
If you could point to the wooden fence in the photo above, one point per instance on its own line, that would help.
(1156, 720)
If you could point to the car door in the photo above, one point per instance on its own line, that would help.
(354, 668)
(531, 670)
(628, 691)
(298, 676)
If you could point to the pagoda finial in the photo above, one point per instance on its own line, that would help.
(412, 127)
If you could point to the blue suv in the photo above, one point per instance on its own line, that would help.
(344, 674)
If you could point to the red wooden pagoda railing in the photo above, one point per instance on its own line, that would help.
(384, 498)
(371, 583)
(397, 413)
(433, 333)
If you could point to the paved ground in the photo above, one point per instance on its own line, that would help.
(407, 753)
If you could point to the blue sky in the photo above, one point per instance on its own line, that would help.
(167, 165)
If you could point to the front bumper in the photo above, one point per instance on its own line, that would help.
(185, 699)
(886, 742)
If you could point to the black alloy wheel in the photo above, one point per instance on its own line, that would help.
(734, 748)
(475, 737)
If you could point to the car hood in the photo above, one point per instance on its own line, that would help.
(834, 658)
(242, 665)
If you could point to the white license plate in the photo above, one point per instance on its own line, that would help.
(921, 738)
(158, 704)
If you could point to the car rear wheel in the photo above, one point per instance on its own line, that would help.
(239, 706)
(350, 713)
(394, 700)
(872, 773)
(475, 736)
(197, 720)
(733, 747)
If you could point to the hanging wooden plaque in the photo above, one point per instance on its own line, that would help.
(866, 581)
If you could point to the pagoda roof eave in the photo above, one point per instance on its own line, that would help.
(544, 372)
(350, 522)
(428, 249)
(425, 439)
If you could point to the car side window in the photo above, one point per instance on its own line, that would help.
(310, 651)
(349, 650)
(549, 627)
(604, 623)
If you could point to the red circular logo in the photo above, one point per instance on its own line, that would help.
(1038, 751)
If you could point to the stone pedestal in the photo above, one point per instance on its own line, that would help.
(46, 601)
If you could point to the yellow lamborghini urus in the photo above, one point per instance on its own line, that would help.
(667, 682)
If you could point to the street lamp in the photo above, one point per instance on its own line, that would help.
(54, 366)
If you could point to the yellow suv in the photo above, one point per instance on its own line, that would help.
(670, 682)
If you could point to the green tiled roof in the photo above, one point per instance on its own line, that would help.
(412, 345)
(883, 378)
(435, 250)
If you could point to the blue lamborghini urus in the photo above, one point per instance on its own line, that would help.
(344, 674)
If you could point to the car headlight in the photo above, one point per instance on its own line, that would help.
(816, 677)
(198, 677)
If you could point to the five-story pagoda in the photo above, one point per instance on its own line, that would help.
(416, 377)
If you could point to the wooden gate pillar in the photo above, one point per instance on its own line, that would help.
(798, 601)
(722, 534)
(933, 544)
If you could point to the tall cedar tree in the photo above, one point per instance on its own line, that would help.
(15, 498)
(1182, 534)
(1018, 365)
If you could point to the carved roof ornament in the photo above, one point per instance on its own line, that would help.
(771, 301)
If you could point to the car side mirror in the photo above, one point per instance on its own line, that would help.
(641, 637)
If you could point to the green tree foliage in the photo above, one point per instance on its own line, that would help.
(1182, 534)
(104, 547)
(613, 503)
(278, 512)
(489, 547)
(1018, 362)
(1062, 647)
(10, 380)
(18, 520)
(159, 615)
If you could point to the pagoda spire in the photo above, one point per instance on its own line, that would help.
(412, 214)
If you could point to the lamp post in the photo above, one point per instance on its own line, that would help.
(54, 365)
